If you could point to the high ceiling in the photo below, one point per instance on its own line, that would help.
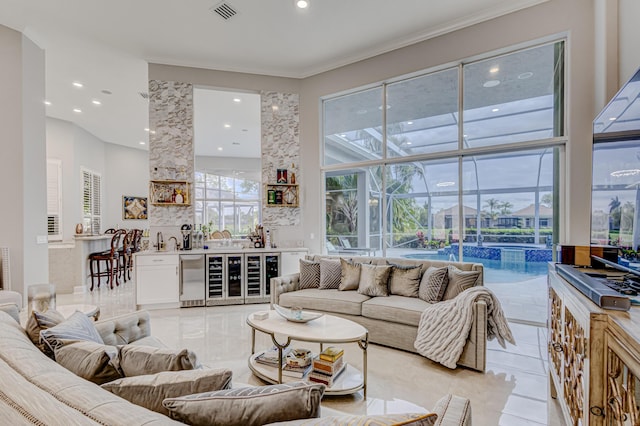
(106, 46)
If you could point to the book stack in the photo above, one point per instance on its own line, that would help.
(328, 366)
(270, 356)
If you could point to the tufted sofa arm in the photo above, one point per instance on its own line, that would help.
(283, 284)
(125, 329)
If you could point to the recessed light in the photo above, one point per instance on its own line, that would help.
(302, 4)
(78, 110)
(237, 100)
(226, 126)
(96, 102)
(47, 103)
(525, 75)
(142, 143)
(106, 92)
(219, 148)
(146, 129)
(495, 110)
(78, 84)
(491, 83)
(409, 122)
(612, 119)
(494, 70)
(441, 184)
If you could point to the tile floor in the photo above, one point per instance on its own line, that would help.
(512, 392)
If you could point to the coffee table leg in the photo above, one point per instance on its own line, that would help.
(280, 347)
(253, 341)
(364, 344)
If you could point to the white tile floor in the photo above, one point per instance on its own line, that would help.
(512, 392)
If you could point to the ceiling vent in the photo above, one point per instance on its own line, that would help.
(224, 10)
(144, 95)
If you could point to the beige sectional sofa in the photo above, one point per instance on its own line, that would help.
(391, 321)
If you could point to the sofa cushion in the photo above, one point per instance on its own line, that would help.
(453, 410)
(403, 419)
(150, 390)
(459, 281)
(39, 321)
(340, 302)
(77, 327)
(405, 280)
(252, 406)
(399, 309)
(330, 273)
(90, 360)
(374, 280)
(136, 360)
(309, 274)
(349, 275)
(434, 284)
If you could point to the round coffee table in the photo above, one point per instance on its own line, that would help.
(326, 329)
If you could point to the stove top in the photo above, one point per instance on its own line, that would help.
(625, 287)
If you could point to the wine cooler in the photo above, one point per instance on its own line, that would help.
(259, 269)
(225, 279)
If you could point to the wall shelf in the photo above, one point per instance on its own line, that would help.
(282, 195)
(170, 192)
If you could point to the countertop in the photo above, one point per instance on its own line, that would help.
(215, 250)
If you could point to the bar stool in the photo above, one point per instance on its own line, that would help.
(111, 260)
(125, 256)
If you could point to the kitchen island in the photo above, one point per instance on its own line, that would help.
(210, 277)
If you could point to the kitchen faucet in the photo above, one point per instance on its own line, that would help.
(159, 241)
(175, 246)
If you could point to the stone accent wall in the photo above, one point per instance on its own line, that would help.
(171, 154)
(280, 149)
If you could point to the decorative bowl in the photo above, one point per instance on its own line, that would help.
(296, 314)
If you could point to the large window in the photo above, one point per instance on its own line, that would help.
(227, 202)
(426, 144)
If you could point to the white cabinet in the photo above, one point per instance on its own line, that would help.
(157, 279)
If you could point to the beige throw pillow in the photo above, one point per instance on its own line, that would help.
(150, 390)
(459, 281)
(309, 274)
(349, 275)
(254, 406)
(434, 284)
(136, 360)
(330, 273)
(90, 360)
(374, 280)
(405, 280)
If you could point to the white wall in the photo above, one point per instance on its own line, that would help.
(629, 42)
(127, 173)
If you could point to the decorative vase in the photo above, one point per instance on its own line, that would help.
(79, 228)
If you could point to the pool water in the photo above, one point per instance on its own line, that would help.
(496, 271)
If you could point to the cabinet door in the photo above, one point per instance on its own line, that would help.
(271, 270)
(253, 275)
(290, 263)
(233, 278)
(157, 284)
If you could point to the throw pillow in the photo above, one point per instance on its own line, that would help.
(150, 390)
(459, 281)
(39, 321)
(136, 360)
(434, 284)
(309, 274)
(349, 275)
(405, 280)
(253, 406)
(374, 280)
(92, 361)
(77, 327)
(330, 273)
(404, 419)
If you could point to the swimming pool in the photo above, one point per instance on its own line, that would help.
(495, 271)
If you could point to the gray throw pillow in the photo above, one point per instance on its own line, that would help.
(405, 280)
(459, 281)
(434, 284)
(39, 321)
(309, 274)
(349, 275)
(253, 406)
(150, 390)
(136, 360)
(374, 280)
(77, 327)
(11, 309)
(330, 273)
(92, 361)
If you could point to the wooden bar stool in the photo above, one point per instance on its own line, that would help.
(111, 259)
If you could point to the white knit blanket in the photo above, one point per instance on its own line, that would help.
(444, 326)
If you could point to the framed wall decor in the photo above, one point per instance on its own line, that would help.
(134, 207)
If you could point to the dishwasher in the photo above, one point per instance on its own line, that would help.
(192, 280)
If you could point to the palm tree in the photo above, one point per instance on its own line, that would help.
(505, 208)
(615, 213)
(493, 206)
